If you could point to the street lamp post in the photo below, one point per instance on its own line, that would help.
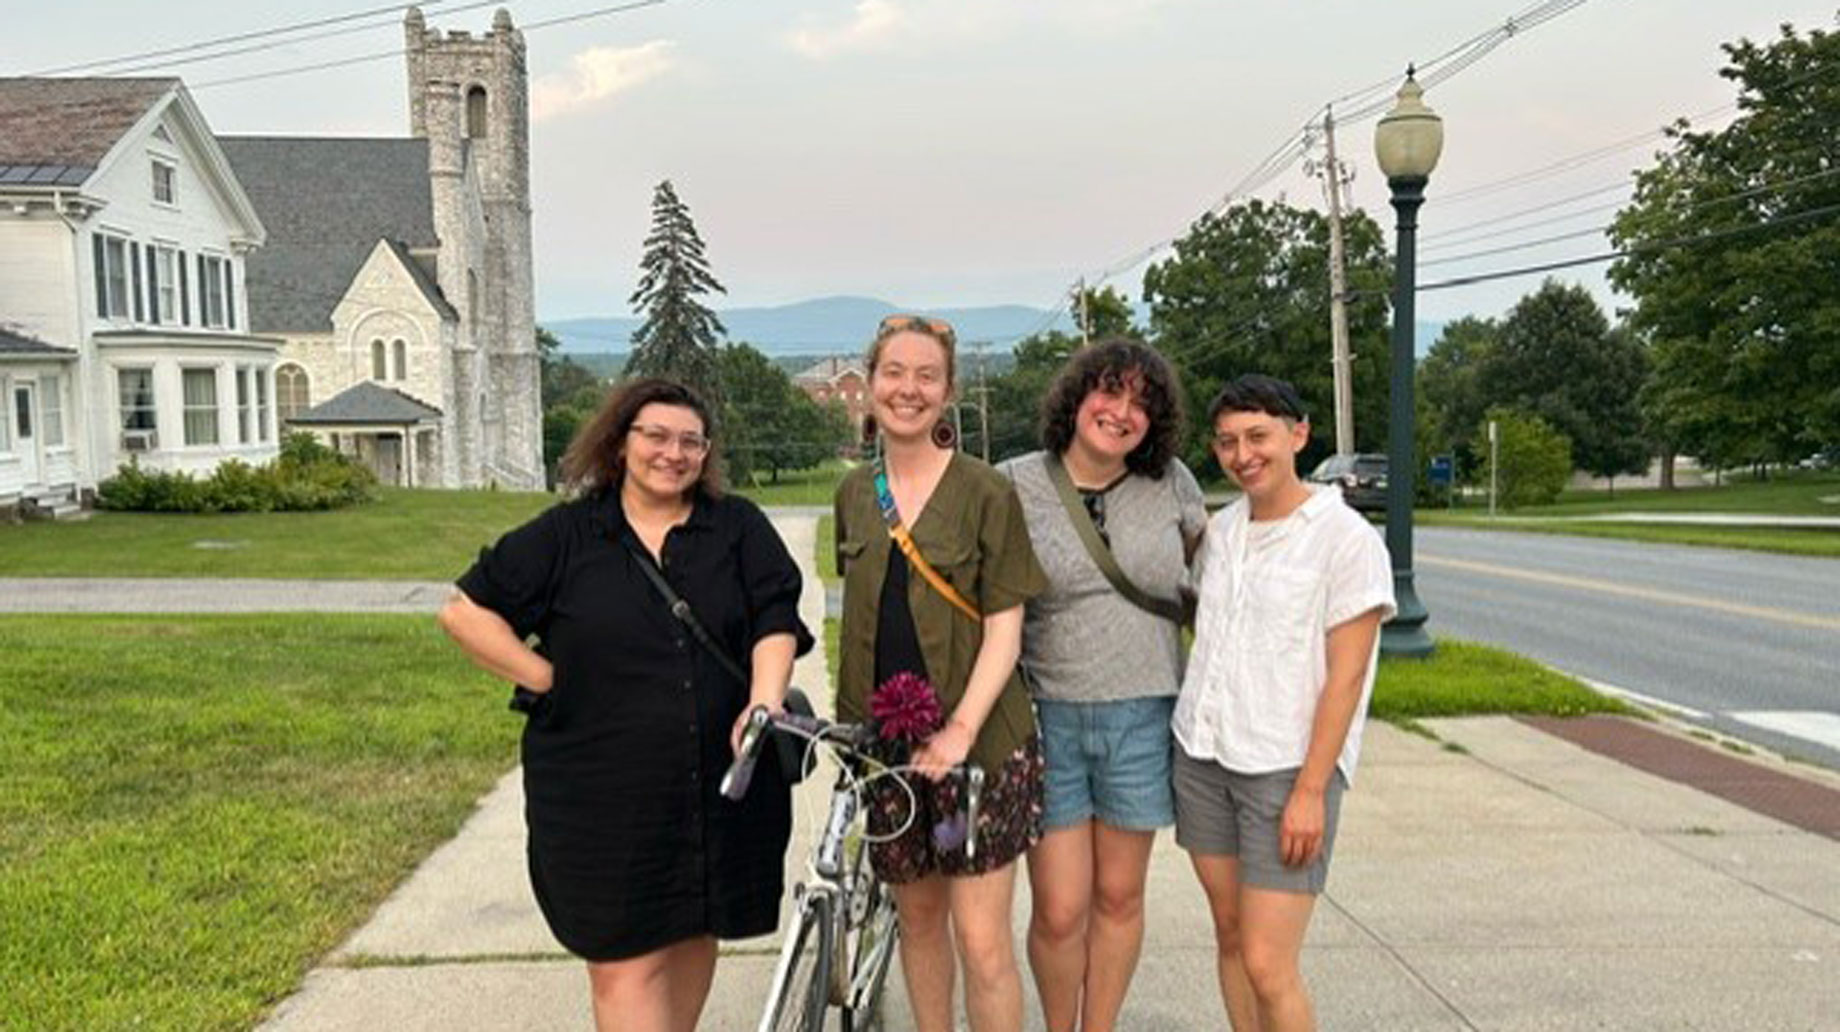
(1407, 143)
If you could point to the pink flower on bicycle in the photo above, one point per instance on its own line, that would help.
(906, 708)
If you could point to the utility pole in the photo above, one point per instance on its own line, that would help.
(1085, 318)
(983, 391)
(1335, 176)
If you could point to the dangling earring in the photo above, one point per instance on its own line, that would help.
(945, 435)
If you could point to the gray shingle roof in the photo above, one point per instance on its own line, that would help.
(424, 282)
(325, 202)
(56, 131)
(366, 403)
(12, 342)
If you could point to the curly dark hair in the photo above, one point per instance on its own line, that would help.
(596, 459)
(1107, 364)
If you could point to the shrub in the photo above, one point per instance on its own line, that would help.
(1536, 460)
(307, 476)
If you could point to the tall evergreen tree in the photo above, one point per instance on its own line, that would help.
(680, 335)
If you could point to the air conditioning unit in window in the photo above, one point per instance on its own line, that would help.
(139, 440)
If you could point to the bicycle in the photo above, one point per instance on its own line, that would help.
(844, 927)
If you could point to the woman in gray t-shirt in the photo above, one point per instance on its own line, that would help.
(1104, 670)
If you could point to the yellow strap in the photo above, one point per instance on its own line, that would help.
(939, 583)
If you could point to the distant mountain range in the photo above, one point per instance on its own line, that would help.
(821, 326)
(843, 325)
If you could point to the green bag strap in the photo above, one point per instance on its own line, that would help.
(1169, 609)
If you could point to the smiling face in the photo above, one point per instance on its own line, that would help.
(909, 385)
(1259, 451)
(1112, 419)
(664, 451)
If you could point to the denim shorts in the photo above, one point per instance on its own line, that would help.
(1109, 760)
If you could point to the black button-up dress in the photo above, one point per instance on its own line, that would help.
(631, 845)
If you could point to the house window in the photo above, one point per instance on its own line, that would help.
(163, 174)
(112, 277)
(136, 394)
(51, 409)
(200, 406)
(401, 352)
(245, 406)
(261, 376)
(213, 290)
(291, 391)
(6, 430)
(379, 370)
(165, 270)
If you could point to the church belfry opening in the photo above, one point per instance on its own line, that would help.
(476, 113)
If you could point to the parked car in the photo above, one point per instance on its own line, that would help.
(1362, 479)
(1828, 458)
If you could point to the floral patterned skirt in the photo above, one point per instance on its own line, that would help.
(1008, 823)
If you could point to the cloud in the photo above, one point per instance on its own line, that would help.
(598, 73)
(872, 26)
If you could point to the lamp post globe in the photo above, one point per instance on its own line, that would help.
(1407, 143)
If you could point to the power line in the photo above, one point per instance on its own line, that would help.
(599, 12)
(233, 38)
(1696, 206)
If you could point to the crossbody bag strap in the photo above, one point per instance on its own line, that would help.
(1168, 609)
(682, 611)
(891, 515)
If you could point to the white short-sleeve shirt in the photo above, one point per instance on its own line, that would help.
(1269, 595)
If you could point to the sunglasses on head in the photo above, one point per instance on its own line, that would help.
(903, 322)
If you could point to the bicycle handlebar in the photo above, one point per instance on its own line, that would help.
(851, 737)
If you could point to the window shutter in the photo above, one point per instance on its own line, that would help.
(185, 297)
(204, 306)
(229, 293)
(153, 285)
(102, 278)
(134, 279)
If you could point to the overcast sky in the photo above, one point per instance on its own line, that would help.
(958, 152)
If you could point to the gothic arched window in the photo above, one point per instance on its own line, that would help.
(292, 391)
(476, 113)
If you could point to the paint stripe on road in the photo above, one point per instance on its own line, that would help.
(1817, 726)
(1784, 616)
(1628, 695)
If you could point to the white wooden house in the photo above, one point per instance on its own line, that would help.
(123, 325)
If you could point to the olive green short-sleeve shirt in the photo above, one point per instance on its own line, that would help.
(972, 532)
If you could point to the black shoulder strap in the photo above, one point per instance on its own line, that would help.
(1168, 609)
(681, 610)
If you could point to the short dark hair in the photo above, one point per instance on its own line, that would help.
(1106, 364)
(596, 459)
(1255, 392)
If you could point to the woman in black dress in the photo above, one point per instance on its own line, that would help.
(637, 861)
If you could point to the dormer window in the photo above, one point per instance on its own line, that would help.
(164, 175)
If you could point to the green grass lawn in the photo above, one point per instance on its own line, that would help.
(409, 535)
(1795, 492)
(797, 487)
(1812, 541)
(1465, 679)
(404, 535)
(193, 810)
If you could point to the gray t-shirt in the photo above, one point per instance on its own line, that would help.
(1081, 640)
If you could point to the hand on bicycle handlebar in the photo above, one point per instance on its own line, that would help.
(946, 749)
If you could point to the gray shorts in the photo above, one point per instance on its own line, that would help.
(1222, 812)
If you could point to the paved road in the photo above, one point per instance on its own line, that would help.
(1745, 642)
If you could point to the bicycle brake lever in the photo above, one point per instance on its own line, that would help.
(741, 773)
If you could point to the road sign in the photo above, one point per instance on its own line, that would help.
(1443, 470)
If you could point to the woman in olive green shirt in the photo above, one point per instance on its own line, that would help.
(967, 525)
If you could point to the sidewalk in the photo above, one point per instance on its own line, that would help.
(1504, 879)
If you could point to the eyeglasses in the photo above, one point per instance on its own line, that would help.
(903, 322)
(693, 444)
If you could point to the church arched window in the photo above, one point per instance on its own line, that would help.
(401, 351)
(476, 113)
(379, 369)
(292, 391)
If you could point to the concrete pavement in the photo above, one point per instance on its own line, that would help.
(1497, 878)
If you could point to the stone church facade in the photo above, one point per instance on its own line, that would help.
(397, 272)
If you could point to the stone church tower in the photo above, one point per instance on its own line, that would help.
(469, 98)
